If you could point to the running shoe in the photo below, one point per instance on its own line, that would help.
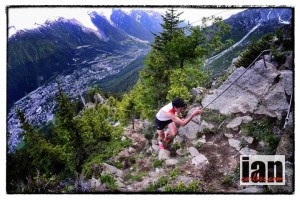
(167, 139)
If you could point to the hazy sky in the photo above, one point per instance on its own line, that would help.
(26, 18)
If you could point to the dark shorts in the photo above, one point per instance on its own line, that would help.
(160, 125)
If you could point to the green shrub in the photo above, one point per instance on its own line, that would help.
(162, 181)
(139, 177)
(262, 130)
(174, 173)
(181, 187)
(110, 181)
(215, 116)
(227, 179)
(149, 133)
(178, 145)
(253, 50)
(157, 163)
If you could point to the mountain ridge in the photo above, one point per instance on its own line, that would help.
(253, 22)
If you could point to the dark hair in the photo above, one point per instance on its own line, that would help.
(178, 102)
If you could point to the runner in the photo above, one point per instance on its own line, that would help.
(170, 115)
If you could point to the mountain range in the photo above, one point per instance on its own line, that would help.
(34, 56)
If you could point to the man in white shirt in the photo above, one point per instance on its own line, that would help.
(167, 116)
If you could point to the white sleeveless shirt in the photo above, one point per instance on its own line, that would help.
(161, 115)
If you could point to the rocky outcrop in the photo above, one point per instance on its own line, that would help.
(198, 154)
(260, 90)
(274, 103)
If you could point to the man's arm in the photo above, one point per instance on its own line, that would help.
(183, 122)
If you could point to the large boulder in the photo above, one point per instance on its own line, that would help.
(195, 126)
(205, 125)
(190, 130)
(193, 151)
(260, 90)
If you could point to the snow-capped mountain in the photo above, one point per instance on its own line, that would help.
(266, 20)
(151, 20)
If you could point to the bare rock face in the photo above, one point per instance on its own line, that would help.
(285, 146)
(260, 90)
(274, 103)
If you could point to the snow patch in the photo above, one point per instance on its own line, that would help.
(210, 60)
(268, 16)
(281, 21)
(84, 46)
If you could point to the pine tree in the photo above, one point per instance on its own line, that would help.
(37, 159)
(129, 109)
(68, 132)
